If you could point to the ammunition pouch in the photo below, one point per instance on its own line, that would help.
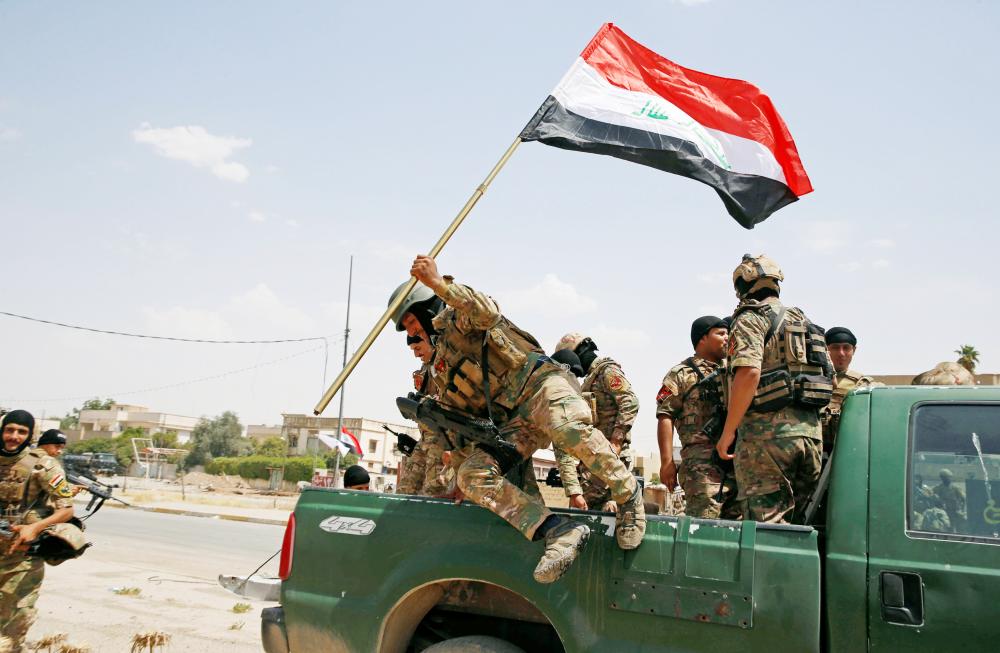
(802, 373)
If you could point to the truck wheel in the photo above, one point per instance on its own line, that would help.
(474, 644)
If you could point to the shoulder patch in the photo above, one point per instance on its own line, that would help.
(60, 487)
(663, 393)
(617, 382)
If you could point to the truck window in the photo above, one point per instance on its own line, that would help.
(954, 471)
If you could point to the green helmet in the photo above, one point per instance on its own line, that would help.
(756, 272)
(420, 293)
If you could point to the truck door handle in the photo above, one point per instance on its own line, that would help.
(902, 598)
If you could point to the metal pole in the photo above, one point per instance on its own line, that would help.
(347, 334)
(442, 241)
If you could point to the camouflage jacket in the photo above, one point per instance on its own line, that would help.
(844, 382)
(617, 403)
(470, 319)
(747, 349)
(688, 407)
(32, 487)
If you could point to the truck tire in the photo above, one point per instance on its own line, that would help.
(474, 644)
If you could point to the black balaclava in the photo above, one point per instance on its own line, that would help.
(425, 311)
(568, 357)
(587, 351)
(21, 418)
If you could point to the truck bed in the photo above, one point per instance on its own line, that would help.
(392, 573)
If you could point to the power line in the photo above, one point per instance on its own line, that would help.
(172, 385)
(150, 337)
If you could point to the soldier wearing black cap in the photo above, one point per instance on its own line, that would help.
(52, 442)
(356, 478)
(688, 400)
(841, 344)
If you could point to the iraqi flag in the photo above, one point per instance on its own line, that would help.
(624, 100)
(344, 442)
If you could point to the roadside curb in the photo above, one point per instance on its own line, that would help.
(210, 515)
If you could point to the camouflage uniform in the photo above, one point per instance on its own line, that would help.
(690, 410)
(32, 487)
(952, 500)
(616, 406)
(426, 473)
(778, 453)
(532, 400)
(844, 382)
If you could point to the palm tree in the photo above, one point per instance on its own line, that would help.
(968, 357)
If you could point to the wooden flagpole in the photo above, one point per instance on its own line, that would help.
(438, 246)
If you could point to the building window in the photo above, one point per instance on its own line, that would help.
(954, 471)
(372, 446)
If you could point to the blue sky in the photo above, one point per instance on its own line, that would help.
(319, 130)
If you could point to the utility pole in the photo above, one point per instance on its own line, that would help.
(347, 334)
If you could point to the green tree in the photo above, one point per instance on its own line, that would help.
(968, 357)
(72, 419)
(272, 446)
(218, 436)
(345, 462)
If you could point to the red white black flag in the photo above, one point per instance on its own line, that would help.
(624, 100)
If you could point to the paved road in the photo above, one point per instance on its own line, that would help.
(173, 560)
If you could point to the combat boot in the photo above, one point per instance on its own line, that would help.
(630, 522)
(563, 543)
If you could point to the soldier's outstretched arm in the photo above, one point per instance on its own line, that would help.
(476, 310)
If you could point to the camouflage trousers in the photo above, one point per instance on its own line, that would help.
(426, 473)
(776, 477)
(20, 580)
(552, 411)
(701, 480)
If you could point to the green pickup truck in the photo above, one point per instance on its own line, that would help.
(908, 559)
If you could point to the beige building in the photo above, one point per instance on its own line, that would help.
(111, 422)
(308, 434)
(260, 432)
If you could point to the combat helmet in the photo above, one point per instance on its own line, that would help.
(570, 341)
(756, 272)
(421, 297)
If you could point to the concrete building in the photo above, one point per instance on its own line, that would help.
(111, 422)
(378, 447)
(261, 432)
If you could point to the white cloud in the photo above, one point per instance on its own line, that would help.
(292, 222)
(8, 134)
(257, 216)
(612, 339)
(271, 169)
(823, 236)
(880, 263)
(196, 146)
(882, 243)
(256, 313)
(552, 296)
(851, 266)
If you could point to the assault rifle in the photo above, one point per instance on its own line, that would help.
(441, 419)
(404, 443)
(99, 492)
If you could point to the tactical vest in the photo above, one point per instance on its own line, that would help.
(796, 367)
(511, 354)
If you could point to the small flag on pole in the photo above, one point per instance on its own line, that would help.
(347, 438)
(624, 100)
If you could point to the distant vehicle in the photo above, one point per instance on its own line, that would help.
(95, 463)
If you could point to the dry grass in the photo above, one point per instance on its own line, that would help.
(127, 591)
(46, 643)
(142, 642)
(70, 648)
(240, 608)
(237, 626)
